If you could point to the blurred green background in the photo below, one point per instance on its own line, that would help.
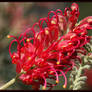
(15, 17)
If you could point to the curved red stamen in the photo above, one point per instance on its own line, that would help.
(58, 10)
(45, 82)
(49, 15)
(10, 47)
(65, 84)
(41, 22)
(57, 78)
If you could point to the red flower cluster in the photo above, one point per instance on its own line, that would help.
(50, 47)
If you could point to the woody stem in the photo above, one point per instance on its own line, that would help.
(10, 82)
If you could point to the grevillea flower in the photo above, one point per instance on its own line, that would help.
(49, 52)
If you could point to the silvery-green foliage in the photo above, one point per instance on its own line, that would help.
(76, 77)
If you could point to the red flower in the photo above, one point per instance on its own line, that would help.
(47, 54)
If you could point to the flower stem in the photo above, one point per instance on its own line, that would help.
(10, 82)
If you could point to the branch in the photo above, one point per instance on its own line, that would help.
(11, 81)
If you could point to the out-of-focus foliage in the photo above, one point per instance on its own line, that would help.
(14, 19)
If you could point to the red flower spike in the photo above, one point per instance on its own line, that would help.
(49, 52)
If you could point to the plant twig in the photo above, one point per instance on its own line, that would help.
(10, 82)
